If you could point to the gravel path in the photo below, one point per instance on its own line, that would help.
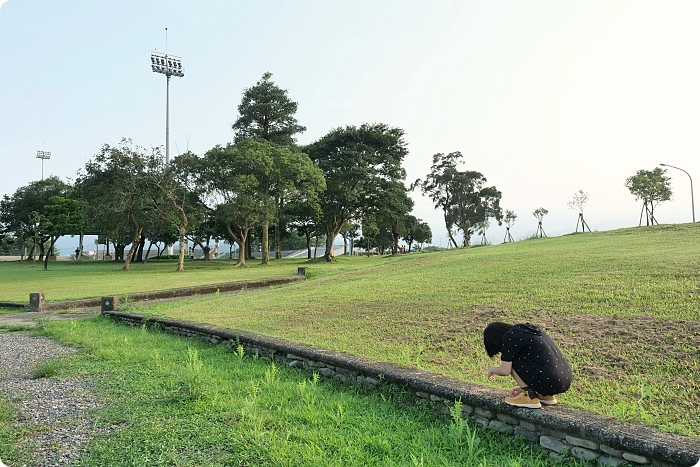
(56, 412)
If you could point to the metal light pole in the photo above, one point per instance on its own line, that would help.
(168, 65)
(43, 155)
(692, 199)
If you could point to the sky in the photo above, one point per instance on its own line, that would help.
(545, 98)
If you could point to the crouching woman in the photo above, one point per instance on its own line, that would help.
(531, 357)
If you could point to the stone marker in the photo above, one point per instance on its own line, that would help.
(301, 272)
(36, 301)
(109, 303)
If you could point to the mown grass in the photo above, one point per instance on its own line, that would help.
(174, 401)
(71, 280)
(624, 305)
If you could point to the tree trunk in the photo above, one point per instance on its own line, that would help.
(148, 252)
(142, 244)
(46, 257)
(241, 240)
(278, 232)
(345, 243)
(265, 243)
(395, 237)
(409, 246)
(308, 245)
(451, 239)
(181, 255)
(79, 256)
(467, 238)
(332, 231)
(132, 253)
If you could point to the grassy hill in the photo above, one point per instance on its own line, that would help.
(624, 305)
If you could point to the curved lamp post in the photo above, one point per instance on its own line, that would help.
(692, 199)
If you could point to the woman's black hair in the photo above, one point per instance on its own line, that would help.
(493, 337)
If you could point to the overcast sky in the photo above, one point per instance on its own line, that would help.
(544, 98)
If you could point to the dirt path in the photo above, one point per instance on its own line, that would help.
(30, 319)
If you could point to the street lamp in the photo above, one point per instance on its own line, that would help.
(168, 65)
(43, 155)
(692, 199)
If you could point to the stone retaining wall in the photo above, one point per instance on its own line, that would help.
(562, 430)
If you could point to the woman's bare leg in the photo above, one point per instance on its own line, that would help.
(518, 379)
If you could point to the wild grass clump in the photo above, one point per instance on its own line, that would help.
(242, 410)
(47, 369)
(190, 382)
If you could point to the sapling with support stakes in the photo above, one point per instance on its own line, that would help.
(509, 219)
(539, 214)
(578, 203)
(652, 187)
(481, 228)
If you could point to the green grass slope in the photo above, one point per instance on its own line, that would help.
(624, 306)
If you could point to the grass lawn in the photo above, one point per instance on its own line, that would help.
(174, 401)
(70, 280)
(624, 306)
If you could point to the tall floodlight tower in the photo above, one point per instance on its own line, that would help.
(43, 155)
(168, 65)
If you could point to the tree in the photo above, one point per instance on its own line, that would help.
(652, 187)
(232, 187)
(355, 161)
(267, 113)
(348, 230)
(438, 186)
(462, 196)
(175, 199)
(21, 213)
(292, 177)
(304, 217)
(539, 214)
(509, 219)
(578, 203)
(416, 231)
(115, 185)
(390, 209)
(62, 216)
(473, 203)
(481, 229)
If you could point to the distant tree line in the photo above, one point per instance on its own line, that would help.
(349, 183)
(262, 185)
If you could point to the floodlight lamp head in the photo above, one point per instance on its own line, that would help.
(166, 64)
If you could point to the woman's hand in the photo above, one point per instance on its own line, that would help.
(515, 391)
(503, 370)
(491, 376)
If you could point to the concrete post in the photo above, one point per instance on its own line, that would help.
(36, 301)
(109, 303)
(301, 272)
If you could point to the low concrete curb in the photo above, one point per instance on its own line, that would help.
(41, 305)
(563, 430)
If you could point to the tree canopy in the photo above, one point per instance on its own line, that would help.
(267, 113)
(461, 195)
(652, 187)
(357, 162)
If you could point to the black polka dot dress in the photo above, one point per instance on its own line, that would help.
(536, 359)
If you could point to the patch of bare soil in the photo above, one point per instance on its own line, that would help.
(599, 346)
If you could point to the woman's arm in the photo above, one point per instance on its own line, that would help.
(503, 370)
